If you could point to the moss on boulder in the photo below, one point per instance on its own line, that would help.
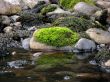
(56, 36)
(76, 24)
(68, 4)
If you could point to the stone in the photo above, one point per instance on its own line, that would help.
(85, 44)
(39, 46)
(6, 20)
(8, 7)
(8, 29)
(59, 11)
(17, 24)
(15, 17)
(25, 43)
(85, 8)
(98, 35)
(32, 3)
(107, 63)
(103, 4)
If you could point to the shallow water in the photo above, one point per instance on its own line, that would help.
(21, 68)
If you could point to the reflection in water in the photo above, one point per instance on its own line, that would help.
(21, 68)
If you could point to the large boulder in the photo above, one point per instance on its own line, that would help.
(85, 8)
(99, 36)
(85, 44)
(39, 46)
(103, 4)
(53, 38)
(7, 7)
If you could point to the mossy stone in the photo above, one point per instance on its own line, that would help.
(75, 23)
(68, 4)
(56, 36)
(48, 8)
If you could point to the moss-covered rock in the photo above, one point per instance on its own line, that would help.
(31, 19)
(56, 36)
(76, 24)
(68, 4)
(48, 8)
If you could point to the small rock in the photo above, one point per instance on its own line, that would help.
(37, 54)
(107, 63)
(33, 28)
(17, 24)
(6, 20)
(59, 11)
(85, 8)
(85, 44)
(13, 53)
(8, 29)
(25, 43)
(15, 17)
(99, 36)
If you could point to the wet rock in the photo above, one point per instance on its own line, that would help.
(25, 43)
(85, 44)
(8, 7)
(99, 36)
(85, 8)
(8, 29)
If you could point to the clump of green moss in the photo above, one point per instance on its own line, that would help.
(68, 4)
(75, 23)
(56, 36)
(48, 8)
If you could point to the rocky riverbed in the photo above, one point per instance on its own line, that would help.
(85, 29)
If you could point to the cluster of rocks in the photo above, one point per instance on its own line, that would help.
(20, 18)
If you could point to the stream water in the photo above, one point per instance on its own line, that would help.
(21, 68)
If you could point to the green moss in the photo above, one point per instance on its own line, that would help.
(56, 36)
(75, 23)
(47, 9)
(68, 4)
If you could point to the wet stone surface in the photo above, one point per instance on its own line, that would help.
(21, 68)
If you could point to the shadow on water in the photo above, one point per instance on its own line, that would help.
(21, 68)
